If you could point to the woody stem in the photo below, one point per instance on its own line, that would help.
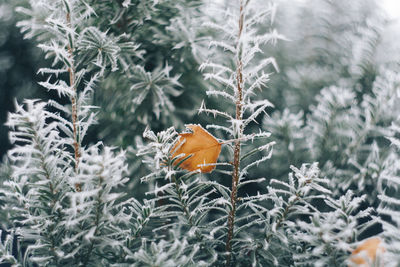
(74, 112)
(236, 155)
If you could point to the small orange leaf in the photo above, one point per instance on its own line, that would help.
(201, 145)
(370, 247)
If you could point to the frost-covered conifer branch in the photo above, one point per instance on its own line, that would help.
(181, 199)
(7, 254)
(96, 210)
(35, 193)
(238, 133)
(72, 83)
(240, 74)
(308, 224)
(80, 50)
(291, 199)
(48, 213)
(61, 196)
(331, 235)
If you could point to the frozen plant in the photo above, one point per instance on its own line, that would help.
(196, 196)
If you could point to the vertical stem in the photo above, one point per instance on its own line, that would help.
(71, 71)
(236, 155)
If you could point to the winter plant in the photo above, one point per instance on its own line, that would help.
(171, 138)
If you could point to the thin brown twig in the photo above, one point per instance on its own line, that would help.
(71, 71)
(236, 156)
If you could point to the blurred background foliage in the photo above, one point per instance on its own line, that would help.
(19, 61)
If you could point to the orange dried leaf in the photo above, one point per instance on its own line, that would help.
(201, 145)
(370, 248)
